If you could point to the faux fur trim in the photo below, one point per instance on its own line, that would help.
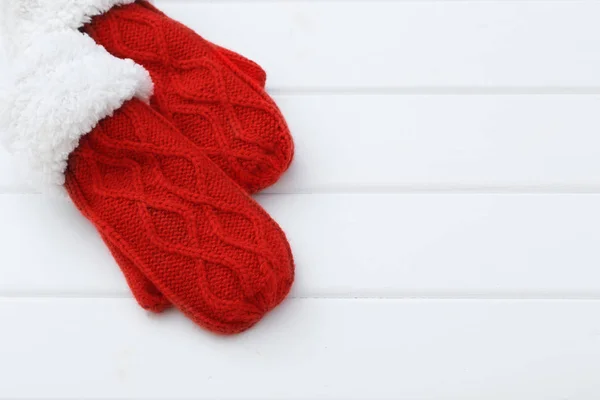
(60, 13)
(62, 84)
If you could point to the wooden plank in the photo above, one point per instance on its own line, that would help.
(395, 245)
(413, 44)
(381, 143)
(307, 349)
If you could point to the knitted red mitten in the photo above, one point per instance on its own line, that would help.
(248, 67)
(213, 95)
(77, 116)
(208, 97)
(143, 289)
(177, 218)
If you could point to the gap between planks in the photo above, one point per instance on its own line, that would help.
(434, 90)
(507, 296)
(432, 189)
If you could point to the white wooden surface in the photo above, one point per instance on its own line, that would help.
(443, 209)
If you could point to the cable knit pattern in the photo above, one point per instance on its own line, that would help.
(179, 220)
(214, 103)
(248, 67)
(116, 31)
(181, 230)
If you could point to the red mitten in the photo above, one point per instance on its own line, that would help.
(79, 118)
(177, 218)
(204, 90)
(215, 96)
(248, 67)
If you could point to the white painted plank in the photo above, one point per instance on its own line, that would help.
(394, 245)
(307, 349)
(361, 44)
(443, 245)
(9, 178)
(379, 142)
(442, 142)
(12, 179)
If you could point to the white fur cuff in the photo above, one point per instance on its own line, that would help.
(62, 85)
(59, 13)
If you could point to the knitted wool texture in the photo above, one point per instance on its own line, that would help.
(142, 288)
(78, 116)
(216, 98)
(170, 215)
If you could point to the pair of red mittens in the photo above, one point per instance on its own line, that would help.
(165, 181)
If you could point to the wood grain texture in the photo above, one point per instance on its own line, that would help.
(307, 349)
(388, 245)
